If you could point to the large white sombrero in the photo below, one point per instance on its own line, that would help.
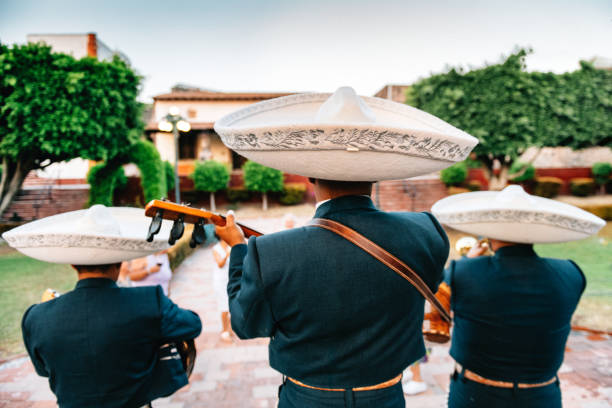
(515, 216)
(343, 137)
(96, 236)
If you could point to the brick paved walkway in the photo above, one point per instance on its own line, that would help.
(238, 375)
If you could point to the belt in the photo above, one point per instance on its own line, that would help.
(382, 385)
(472, 376)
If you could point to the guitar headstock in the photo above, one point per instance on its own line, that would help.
(180, 213)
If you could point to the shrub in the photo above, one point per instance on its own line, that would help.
(145, 155)
(603, 211)
(548, 187)
(582, 186)
(474, 185)
(142, 153)
(293, 193)
(169, 172)
(455, 174)
(210, 176)
(520, 171)
(263, 179)
(103, 179)
(235, 194)
(601, 172)
(452, 190)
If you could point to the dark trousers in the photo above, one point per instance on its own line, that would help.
(294, 396)
(465, 393)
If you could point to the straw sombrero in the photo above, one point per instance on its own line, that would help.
(343, 136)
(513, 215)
(95, 236)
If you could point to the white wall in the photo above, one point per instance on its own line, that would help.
(73, 169)
(73, 44)
(206, 111)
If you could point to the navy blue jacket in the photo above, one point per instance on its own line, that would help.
(98, 343)
(337, 317)
(512, 313)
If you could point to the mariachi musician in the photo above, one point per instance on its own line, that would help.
(343, 325)
(512, 311)
(101, 345)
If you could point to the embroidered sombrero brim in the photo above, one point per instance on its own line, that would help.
(59, 239)
(513, 215)
(324, 135)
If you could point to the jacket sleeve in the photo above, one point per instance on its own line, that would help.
(176, 323)
(39, 364)
(250, 311)
(442, 250)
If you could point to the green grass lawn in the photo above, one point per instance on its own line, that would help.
(594, 256)
(22, 282)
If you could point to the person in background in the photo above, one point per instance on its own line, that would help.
(512, 311)
(414, 383)
(149, 271)
(221, 253)
(289, 221)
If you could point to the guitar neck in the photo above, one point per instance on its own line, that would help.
(172, 211)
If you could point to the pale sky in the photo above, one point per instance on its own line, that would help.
(318, 45)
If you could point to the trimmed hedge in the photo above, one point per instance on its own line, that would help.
(452, 190)
(474, 185)
(582, 186)
(293, 193)
(235, 194)
(169, 172)
(455, 174)
(528, 171)
(548, 187)
(103, 177)
(602, 211)
(152, 175)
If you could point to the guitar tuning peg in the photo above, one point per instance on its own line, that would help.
(177, 229)
(155, 225)
(198, 236)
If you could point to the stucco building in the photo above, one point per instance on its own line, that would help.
(201, 108)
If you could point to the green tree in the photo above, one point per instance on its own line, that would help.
(263, 179)
(601, 174)
(509, 109)
(210, 176)
(54, 108)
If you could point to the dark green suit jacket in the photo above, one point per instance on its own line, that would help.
(336, 316)
(512, 313)
(98, 344)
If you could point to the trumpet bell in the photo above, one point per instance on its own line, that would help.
(464, 244)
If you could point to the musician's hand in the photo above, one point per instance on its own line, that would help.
(478, 250)
(230, 233)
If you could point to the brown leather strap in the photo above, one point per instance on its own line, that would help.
(383, 256)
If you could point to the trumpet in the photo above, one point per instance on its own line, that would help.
(465, 244)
